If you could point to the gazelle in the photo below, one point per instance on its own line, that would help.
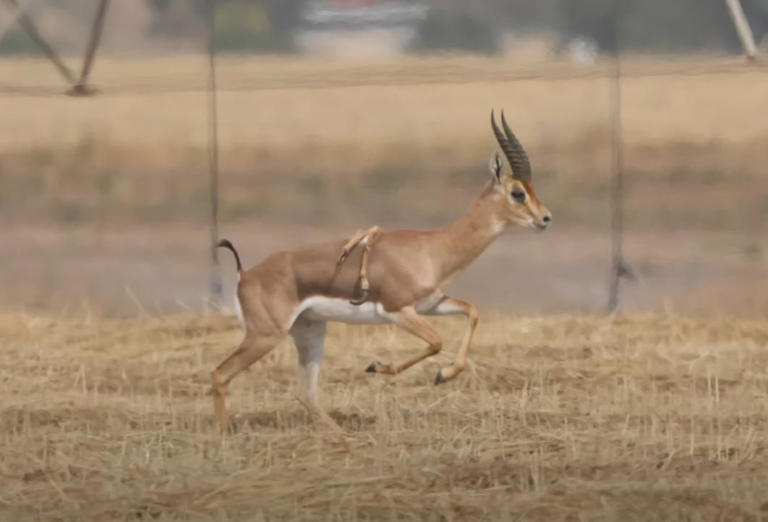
(296, 292)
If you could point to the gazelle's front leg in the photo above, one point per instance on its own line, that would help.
(451, 306)
(410, 321)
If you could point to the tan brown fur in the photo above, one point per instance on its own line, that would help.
(405, 271)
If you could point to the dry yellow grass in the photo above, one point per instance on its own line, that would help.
(325, 139)
(282, 105)
(564, 418)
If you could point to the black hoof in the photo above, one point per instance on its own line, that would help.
(439, 379)
(371, 368)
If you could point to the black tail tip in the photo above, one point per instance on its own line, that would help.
(226, 243)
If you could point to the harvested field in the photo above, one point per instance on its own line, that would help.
(103, 207)
(643, 417)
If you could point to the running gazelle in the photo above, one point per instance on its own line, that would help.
(296, 292)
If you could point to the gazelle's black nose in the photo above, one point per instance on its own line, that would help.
(547, 219)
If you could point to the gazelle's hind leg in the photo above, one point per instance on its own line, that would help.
(253, 348)
(309, 337)
(410, 321)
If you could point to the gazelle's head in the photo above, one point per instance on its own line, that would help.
(520, 206)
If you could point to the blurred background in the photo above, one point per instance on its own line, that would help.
(335, 115)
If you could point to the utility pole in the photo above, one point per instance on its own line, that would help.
(619, 267)
(213, 161)
(742, 28)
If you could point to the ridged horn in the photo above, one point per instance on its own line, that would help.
(513, 150)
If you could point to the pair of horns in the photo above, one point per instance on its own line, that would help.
(513, 150)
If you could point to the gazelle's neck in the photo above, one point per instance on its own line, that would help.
(461, 242)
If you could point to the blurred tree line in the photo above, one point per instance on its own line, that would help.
(476, 26)
(642, 25)
(241, 25)
(636, 25)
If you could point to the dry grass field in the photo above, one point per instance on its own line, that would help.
(643, 417)
(327, 139)
(103, 208)
(286, 104)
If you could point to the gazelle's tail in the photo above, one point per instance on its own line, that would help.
(226, 243)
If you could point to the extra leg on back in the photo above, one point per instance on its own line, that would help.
(309, 337)
(410, 321)
(366, 237)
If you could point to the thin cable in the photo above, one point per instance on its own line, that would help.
(213, 159)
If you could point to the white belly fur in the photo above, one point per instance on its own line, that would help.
(335, 309)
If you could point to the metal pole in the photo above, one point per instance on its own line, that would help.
(617, 193)
(29, 26)
(9, 23)
(213, 160)
(742, 28)
(82, 88)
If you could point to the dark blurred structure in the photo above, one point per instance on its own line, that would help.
(425, 25)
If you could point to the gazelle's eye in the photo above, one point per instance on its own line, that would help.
(518, 195)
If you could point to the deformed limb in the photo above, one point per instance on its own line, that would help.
(309, 337)
(351, 244)
(366, 238)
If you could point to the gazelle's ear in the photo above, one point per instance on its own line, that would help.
(496, 166)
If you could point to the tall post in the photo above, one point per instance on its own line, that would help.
(81, 88)
(617, 192)
(29, 26)
(213, 160)
(11, 20)
(742, 28)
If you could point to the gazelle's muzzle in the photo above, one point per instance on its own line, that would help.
(543, 220)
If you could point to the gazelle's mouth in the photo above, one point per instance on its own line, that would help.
(539, 227)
